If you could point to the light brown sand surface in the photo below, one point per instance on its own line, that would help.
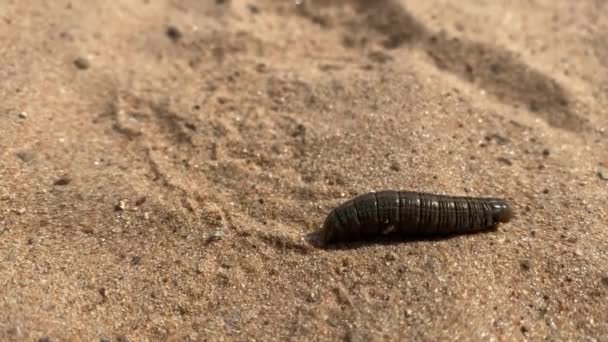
(163, 164)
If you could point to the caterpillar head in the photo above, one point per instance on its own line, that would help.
(501, 211)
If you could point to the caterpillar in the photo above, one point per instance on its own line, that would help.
(408, 213)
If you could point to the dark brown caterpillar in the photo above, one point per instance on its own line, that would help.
(412, 213)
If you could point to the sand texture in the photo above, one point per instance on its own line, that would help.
(164, 165)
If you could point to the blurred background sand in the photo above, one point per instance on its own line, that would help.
(163, 164)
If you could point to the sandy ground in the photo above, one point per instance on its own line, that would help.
(164, 163)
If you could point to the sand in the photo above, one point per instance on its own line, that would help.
(164, 166)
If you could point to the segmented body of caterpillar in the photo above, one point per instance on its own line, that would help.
(412, 213)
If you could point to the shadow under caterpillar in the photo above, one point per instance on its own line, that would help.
(408, 213)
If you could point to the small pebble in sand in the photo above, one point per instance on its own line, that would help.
(140, 201)
(20, 211)
(82, 63)
(390, 256)
(603, 174)
(22, 115)
(63, 180)
(215, 235)
(525, 265)
(103, 293)
(261, 68)
(135, 260)
(499, 139)
(546, 152)
(173, 33)
(44, 339)
(121, 205)
(504, 161)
